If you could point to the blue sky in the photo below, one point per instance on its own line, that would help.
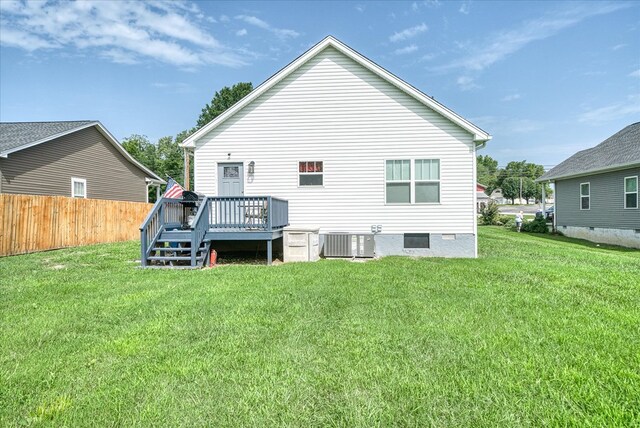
(544, 78)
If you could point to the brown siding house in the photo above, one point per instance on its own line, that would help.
(80, 159)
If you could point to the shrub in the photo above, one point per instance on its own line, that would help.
(508, 221)
(537, 225)
(489, 214)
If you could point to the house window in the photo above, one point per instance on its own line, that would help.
(427, 183)
(310, 173)
(231, 171)
(78, 187)
(398, 181)
(631, 192)
(404, 186)
(416, 240)
(585, 196)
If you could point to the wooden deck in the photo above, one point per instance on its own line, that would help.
(220, 218)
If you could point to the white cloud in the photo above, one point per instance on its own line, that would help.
(242, 32)
(224, 18)
(511, 97)
(618, 47)
(257, 22)
(466, 83)
(124, 32)
(406, 50)
(503, 44)
(408, 33)
(360, 7)
(635, 73)
(465, 8)
(612, 112)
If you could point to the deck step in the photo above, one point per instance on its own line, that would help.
(174, 258)
(179, 249)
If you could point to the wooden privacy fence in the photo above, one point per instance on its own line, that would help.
(31, 223)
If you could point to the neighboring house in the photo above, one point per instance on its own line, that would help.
(596, 191)
(482, 199)
(497, 196)
(77, 159)
(353, 148)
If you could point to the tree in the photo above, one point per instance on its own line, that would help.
(529, 189)
(142, 150)
(511, 188)
(222, 100)
(487, 172)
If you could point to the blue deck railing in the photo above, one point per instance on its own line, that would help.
(247, 213)
(218, 213)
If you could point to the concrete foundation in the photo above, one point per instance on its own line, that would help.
(440, 245)
(623, 237)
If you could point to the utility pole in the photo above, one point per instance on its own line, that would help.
(520, 189)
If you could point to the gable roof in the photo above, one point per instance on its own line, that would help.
(16, 136)
(479, 135)
(619, 151)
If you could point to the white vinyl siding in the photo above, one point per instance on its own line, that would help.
(631, 192)
(334, 110)
(78, 187)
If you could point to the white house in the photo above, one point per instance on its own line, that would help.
(351, 147)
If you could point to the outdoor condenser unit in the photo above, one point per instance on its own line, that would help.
(348, 245)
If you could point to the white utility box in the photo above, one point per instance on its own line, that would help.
(301, 244)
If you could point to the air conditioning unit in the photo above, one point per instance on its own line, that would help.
(349, 245)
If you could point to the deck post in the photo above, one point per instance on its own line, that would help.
(143, 247)
(269, 251)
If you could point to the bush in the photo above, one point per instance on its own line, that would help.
(537, 225)
(489, 214)
(508, 221)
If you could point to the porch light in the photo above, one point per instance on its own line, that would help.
(252, 167)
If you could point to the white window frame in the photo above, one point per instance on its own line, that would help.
(75, 180)
(637, 192)
(412, 181)
(310, 173)
(409, 181)
(585, 196)
(416, 181)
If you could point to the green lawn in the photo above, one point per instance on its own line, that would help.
(537, 331)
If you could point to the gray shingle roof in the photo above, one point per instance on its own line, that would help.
(621, 149)
(17, 134)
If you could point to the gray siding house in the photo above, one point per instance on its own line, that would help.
(76, 159)
(597, 191)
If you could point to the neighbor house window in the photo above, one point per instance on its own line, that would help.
(398, 181)
(427, 181)
(585, 196)
(310, 173)
(78, 187)
(631, 192)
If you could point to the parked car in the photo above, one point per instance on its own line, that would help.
(548, 214)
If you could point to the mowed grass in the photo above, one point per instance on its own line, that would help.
(537, 331)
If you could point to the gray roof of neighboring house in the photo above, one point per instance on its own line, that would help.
(620, 150)
(17, 134)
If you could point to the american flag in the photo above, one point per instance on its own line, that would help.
(174, 190)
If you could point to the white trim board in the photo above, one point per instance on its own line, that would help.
(479, 135)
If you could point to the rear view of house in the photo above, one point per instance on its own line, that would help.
(76, 159)
(597, 191)
(354, 149)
